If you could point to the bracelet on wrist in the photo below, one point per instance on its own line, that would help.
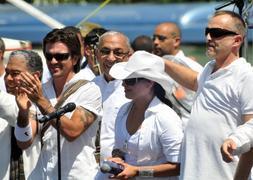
(23, 134)
(146, 172)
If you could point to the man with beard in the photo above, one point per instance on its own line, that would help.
(223, 99)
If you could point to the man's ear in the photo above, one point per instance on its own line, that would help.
(238, 40)
(177, 42)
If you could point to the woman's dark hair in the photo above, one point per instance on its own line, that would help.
(160, 93)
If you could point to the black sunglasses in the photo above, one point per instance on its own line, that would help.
(57, 56)
(218, 32)
(132, 81)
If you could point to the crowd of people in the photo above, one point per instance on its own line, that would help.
(144, 106)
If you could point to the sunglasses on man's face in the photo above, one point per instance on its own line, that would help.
(132, 81)
(218, 32)
(57, 56)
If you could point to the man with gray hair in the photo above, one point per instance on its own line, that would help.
(16, 164)
(113, 47)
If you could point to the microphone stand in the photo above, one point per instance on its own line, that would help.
(238, 3)
(58, 146)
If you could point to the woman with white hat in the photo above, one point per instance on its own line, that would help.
(148, 132)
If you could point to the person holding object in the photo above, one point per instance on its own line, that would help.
(223, 100)
(147, 130)
(78, 128)
(113, 47)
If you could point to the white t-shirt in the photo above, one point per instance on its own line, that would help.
(187, 96)
(156, 142)
(87, 73)
(9, 111)
(221, 100)
(77, 158)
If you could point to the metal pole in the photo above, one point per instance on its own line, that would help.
(52, 23)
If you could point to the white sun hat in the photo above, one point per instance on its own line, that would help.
(143, 65)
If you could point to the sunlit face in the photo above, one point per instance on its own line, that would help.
(137, 88)
(163, 41)
(15, 66)
(112, 49)
(59, 60)
(220, 47)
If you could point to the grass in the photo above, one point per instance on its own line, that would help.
(198, 51)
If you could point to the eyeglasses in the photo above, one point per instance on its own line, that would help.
(57, 56)
(218, 32)
(132, 81)
(118, 53)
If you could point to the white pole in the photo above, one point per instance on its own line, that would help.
(52, 23)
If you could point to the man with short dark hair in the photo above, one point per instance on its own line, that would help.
(78, 128)
(142, 42)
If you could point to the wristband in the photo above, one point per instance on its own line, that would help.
(146, 173)
(23, 134)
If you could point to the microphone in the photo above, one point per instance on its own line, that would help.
(111, 167)
(58, 113)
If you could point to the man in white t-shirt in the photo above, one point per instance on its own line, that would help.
(20, 163)
(166, 43)
(113, 47)
(223, 99)
(77, 129)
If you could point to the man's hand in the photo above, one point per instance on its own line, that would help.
(33, 86)
(22, 100)
(227, 149)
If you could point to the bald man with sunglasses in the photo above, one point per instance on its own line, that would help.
(223, 99)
